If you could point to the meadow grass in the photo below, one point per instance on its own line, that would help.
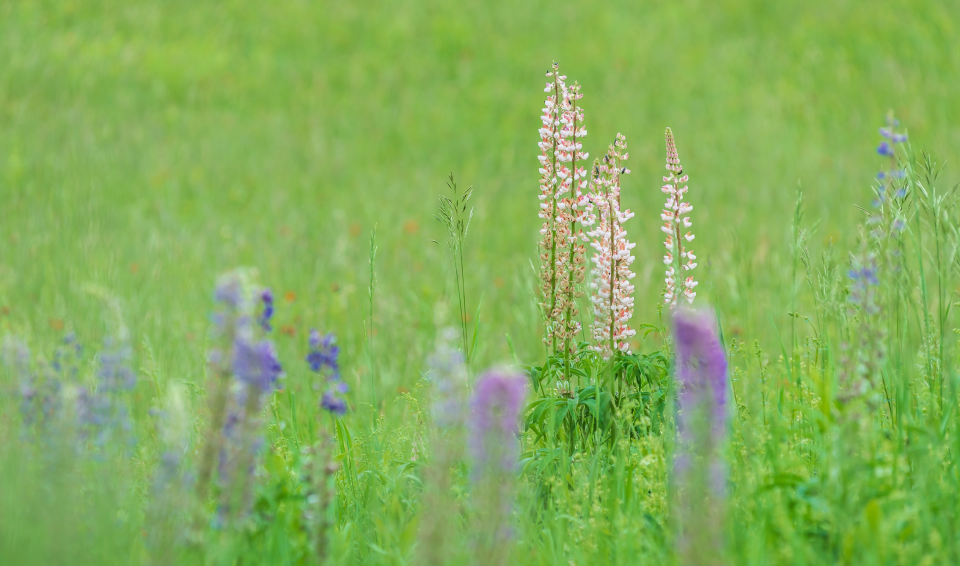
(147, 147)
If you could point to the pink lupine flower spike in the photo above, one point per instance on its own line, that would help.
(679, 259)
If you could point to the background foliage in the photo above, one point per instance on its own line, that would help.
(147, 146)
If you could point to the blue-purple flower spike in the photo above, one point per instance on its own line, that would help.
(699, 471)
(885, 149)
(493, 426)
(324, 353)
(701, 366)
(256, 364)
(266, 297)
(495, 420)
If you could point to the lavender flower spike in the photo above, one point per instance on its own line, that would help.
(324, 353)
(701, 365)
(266, 297)
(449, 376)
(495, 410)
(699, 474)
(494, 420)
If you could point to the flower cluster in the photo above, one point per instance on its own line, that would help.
(39, 399)
(323, 355)
(862, 359)
(564, 208)
(891, 189)
(494, 422)
(101, 411)
(247, 371)
(494, 425)
(678, 259)
(699, 472)
(449, 376)
(266, 298)
(613, 292)
(890, 136)
(56, 407)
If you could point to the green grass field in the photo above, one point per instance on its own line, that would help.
(147, 147)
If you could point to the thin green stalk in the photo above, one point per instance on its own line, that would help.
(370, 293)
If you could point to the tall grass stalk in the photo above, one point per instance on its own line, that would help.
(454, 217)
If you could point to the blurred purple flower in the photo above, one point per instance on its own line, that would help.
(449, 376)
(333, 403)
(885, 149)
(699, 471)
(255, 364)
(324, 352)
(266, 297)
(701, 368)
(494, 424)
(229, 291)
(115, 372)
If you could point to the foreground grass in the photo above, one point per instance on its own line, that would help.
(145, 148)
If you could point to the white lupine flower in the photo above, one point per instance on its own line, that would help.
(613, 305)
(674, 217)
(565, 211)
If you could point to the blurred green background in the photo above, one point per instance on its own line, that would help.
(146, 147)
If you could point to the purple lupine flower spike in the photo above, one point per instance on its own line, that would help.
(885, 149)
(324, 354)
(449, 376)
(699, 472)
(494, 424)
(256, 364)
(701, 365)
(495, 419)
(266, 297)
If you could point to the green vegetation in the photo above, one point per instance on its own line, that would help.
(147, 147)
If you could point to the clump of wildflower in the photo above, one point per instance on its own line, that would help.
(863, 359)
(102, 413)
(323, 359)
(323, 356)
(66, 357)
(699, 474)
(564, 209)
(890, 136)
(494, 425)
(256, 371)
(891, 188)
(679, 259)
(494, 420)
(266, 314)
(613, 292)
(449, 376)
(40, 399)
(323, 353)
(246, 370)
